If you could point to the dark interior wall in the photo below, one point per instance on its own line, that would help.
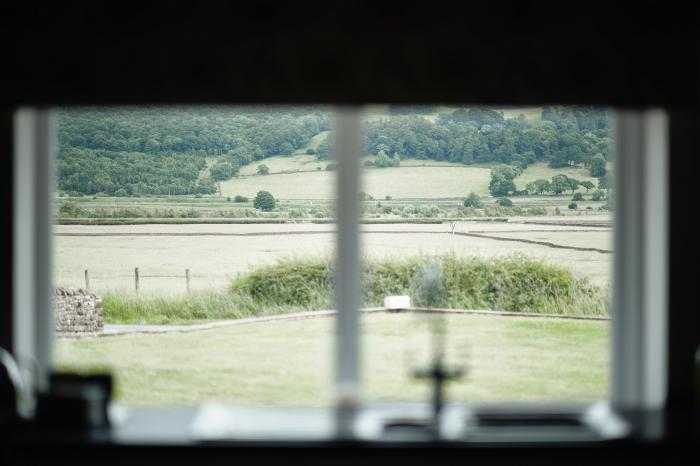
(352, 51)
(357, 52)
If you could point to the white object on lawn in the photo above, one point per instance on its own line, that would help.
(397, 302)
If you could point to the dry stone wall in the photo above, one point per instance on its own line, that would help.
(77, 311)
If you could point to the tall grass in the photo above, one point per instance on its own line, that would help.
(515, 283)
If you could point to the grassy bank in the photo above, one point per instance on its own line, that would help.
(515, 284)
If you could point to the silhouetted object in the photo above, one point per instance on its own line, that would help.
(75, 402)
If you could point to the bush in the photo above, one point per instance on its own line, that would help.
(473, 200)
(363, 196)
(387, 198)
(504, 202)
(263, 169)
(598, 195)
(577, 197)
(310, 151)
(573, 206)
(240, 199)
(264, 201)
(515, 284)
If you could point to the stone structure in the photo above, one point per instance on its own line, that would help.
(77, 312)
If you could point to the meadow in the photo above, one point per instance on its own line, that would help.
(215, 254)
(288, 363)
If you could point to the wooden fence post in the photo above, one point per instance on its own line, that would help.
(136, 278)
(87, 280)
(187, 278)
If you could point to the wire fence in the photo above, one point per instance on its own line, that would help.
(138, 276)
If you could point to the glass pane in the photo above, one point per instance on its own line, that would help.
(187, 222)
(474, 217)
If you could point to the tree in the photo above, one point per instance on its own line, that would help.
(505, 202)
(573, 184)
(604, 182)
(598, 195)
(588, 185)
(559, 184)
(473, 200)
(573, 206)
(263, 169)
(577, 197)
(598, 168)
(501, 183)
(264, 201)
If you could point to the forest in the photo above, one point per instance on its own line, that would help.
(164, 150)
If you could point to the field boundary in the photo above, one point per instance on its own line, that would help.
(325, 232)
(131, 329)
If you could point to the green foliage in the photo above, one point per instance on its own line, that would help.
(597, 166)
(263, 169)
(240, 198)
(264, 201)
(162, 150)
(577, 197)
(516, 284)
(501, 183)
(504, 202)
(565, 136)
(559, 184)
(473, 200)
(573, 206)
(587, 185)
(598, 195)
(363, 196)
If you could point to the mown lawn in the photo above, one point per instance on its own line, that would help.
(290, 363)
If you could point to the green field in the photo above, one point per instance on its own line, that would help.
(543, 171)
(289, 363)
(402, 182)
(214, 259)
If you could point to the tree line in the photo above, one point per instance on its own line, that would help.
(158, 150)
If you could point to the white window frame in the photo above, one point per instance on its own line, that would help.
(640, 286)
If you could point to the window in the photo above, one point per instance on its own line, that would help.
(640, 238)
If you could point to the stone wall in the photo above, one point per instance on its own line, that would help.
(77, 311)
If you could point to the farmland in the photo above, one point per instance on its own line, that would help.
(216, 253)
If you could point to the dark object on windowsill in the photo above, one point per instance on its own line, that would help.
(75, 402)
(9, 388)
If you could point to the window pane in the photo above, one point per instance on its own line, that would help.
(197, 216)
(487, 214)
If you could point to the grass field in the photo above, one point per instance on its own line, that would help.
(214, 259)
(402, 182)
(289, 363)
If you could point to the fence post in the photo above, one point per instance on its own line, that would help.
(87, 280)
(187, 278)
(136, 278)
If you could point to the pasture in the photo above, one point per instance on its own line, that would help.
(288, 363)
(216, 253)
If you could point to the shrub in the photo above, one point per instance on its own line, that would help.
(240, 199)
(573, 206)
(515, 283)
(264, 201)
(473, 200)
(504, 202)
(363, 196)
(263, 169)
(577, 197)
(387, 198)
(598, 195)
(310, 151)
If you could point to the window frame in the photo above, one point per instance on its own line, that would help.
(640, 287)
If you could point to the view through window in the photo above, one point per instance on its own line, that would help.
(207, 235)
